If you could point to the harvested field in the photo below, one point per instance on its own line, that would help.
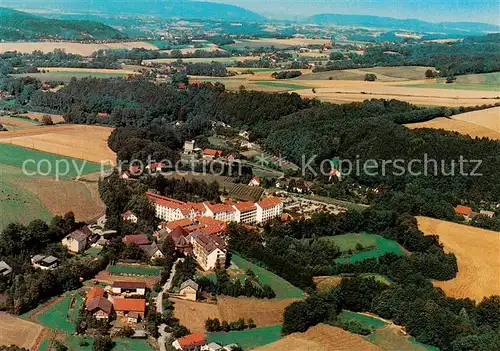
(12, 123)
(74, 48)
(60, 197)
(384, 74)
(79, 141)
(194, 314)
(484, 81)
(106, 277)
(459, 126)
(228, 60)
(321, 337)
(476, 250)
(39, 115)
(17, 331)
(489, 118)
(263, 311)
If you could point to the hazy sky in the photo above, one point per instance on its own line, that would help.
(487, 11)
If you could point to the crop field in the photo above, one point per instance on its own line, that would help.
(489, 118)
(193, 314)
(107, 278)
(459, 126)
(264, 312)
(390, 337)
(321, 337)
(74, 48)
(226, 60)
(384, 74)
(337, 91)
(282, 288)
(19, 332)
(81, 142)
(484, 81)
(247, 339)
(277, 43)
(476, 250)
(134, 270)
(283, 85)
(37, 116)
(243, 192)
(12, 123)
(43, 162)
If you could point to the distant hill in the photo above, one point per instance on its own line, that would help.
(16, 25)
(184, 9)
(465, 28)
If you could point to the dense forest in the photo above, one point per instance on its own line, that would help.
(299, 250)
(472, 55)
(17, 25)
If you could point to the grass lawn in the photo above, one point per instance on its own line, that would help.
(59, 315)
(44, 345)
(16, 203)
(93, 251)
(287, 86)
(366, 321)
(348, 241)
(247, 339)
(382, 246)
(133, 270)
(484, 81)
(282, 288)
(47, 163)
(121, 344)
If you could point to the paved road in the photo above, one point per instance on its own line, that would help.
(164, 336)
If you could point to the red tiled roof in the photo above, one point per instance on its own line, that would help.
(137, 305)
(245, 206)
(256, 178)
(165, 201)
(212, 152)
(178, 223)
(213, 229)
(220, 208)
(269, 202)
(463, 210)
(101, 303)
(156, 165)
(139, 239)
(192, 340)
(178, 232)
(134, 170)
(93, 293)
(129, 285)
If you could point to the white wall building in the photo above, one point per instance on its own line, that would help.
(268, 209)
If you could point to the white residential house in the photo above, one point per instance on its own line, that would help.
(44, 262)
(213, 346)
(129, 216)
(188, 290)
(268, 208)
(75, 241)
(255, 181)
(189, 147)
(5, 269)
(152, 251)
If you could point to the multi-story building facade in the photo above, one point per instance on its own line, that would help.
(169, 210)
(209, 250)
(268, 209)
